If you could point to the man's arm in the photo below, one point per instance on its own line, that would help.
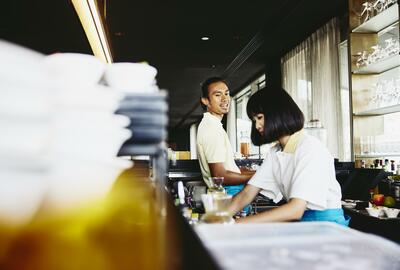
(230, 178)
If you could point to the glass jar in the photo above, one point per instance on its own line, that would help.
(244, 144)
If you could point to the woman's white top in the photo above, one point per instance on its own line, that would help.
(304, 170)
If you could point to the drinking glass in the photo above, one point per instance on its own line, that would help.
(363, 145)
(215, 186)
(367, 11)
(217, 208)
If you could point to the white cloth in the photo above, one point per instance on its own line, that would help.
(303, 170)
(213, 146)
(310, 73)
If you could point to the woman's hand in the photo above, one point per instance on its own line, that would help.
(243, 198)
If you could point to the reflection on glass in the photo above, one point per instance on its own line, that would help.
(215, 185)
(216, 206)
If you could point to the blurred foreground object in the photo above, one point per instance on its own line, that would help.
(60, 136)
(120, 232)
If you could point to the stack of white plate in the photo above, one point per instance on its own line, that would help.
(59, 135)
(144, 104)
(86, 135)
(25, 124)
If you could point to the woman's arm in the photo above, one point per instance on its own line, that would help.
(243, 198)
(293, 210)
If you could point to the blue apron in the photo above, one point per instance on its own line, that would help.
(233, 190)
(332, 215)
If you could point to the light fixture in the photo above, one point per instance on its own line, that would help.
(92, 23)
(205, 38)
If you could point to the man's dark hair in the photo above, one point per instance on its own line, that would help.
(204, 87)
(282, 116)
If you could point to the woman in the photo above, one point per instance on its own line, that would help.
(299, 167)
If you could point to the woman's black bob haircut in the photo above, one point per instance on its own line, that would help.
(282, 116)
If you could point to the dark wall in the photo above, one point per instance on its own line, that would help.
(273, 72)
(179, 139)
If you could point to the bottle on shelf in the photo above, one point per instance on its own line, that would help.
(386, 166)
(392, 166)
(371, 195)
(362, 162)
(376, 164)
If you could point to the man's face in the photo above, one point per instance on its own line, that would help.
(218, 99)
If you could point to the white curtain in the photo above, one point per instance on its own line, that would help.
(311, 76)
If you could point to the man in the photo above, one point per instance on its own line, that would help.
(214, 150)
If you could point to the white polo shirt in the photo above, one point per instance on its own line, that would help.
(304, 170)
(213, 146)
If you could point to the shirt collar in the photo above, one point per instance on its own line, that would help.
(291, 144)
(213, 118)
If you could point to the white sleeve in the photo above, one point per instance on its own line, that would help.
(309, 180)
(214, 147)
(265, 180)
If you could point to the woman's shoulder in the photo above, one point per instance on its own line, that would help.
(309, 143)
(274, 148)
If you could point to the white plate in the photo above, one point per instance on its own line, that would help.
(74, 68)
(75, 182)
(348, 204)
(90, 119)
(21, 194)
(131, 76)
(21, 99)
(99, 143)
(20, 64)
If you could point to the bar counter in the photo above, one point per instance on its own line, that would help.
(139, 227)
(297, 245)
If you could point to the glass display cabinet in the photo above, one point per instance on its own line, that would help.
(375, 81)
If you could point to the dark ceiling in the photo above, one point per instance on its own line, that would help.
(247, 38)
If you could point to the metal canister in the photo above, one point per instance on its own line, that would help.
(396, 190)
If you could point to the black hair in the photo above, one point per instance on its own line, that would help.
(282, 116)
(204, 87)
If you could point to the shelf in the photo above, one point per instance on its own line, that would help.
(380, 21)
(380, 67)
(378, 155)
(380, 111)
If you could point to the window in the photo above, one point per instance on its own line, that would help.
(311, 76)
(345, 100)
(241, 134)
